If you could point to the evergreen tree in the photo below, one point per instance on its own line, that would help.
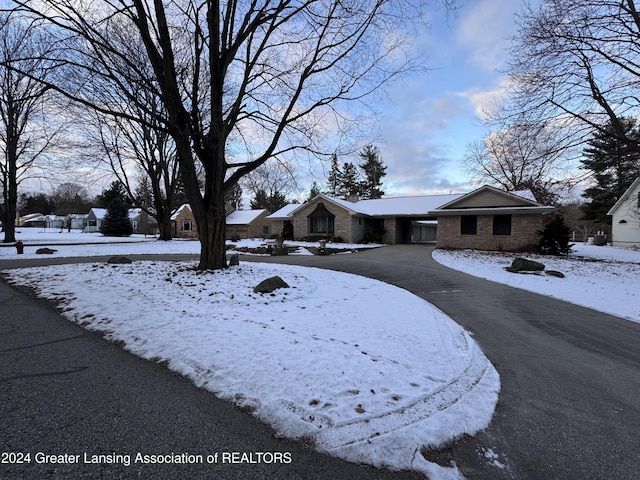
(374, 170)
(36, 203)
(615, 164)
(116, 222)
(314, 191)
(334, 179)
(272, 201)
(115, 189)
(233, 197)
(554, 238)
(144, 194)
(351, 183)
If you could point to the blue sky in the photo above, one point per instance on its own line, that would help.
(433, 116)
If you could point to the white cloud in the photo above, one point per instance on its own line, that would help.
(484, 29)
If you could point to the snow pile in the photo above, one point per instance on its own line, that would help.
(360, 369)
(606, 279)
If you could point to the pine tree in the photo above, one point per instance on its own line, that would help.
(233, 197)
(554, 238)
(314, 191)
(272, 201)
(116, 222)
(334, 179)
(374, 170)
(615, 165)
(351, 183)
(115, 189)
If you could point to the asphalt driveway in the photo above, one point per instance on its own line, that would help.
(569, 406)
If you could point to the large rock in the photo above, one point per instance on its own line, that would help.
(524, 265)
(270, 284)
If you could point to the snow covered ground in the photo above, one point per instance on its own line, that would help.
(360, 369)
(603, 278)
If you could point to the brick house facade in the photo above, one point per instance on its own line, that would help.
(490, 219)
(486, 218)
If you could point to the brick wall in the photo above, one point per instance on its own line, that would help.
(524, 230)
(185, 215)
(342, 222)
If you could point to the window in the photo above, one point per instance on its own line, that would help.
(265, 229)
(502, 224)
(468, 225)
(321, 220)
(186, 226)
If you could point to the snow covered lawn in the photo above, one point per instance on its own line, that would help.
(606, 279)
(360, 369)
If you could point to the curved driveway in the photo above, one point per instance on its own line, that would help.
(570, 401)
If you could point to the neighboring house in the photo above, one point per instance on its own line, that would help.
(76, 221)
(491, 219)
(625, 225)
(32, 220)
(503, 220)
(183, 223)
(142, 222)
(94, 220)
(248, 224)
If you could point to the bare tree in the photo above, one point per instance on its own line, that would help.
(272, 179)
(265, 73)
(523, 157)
(577, 60)
(23, 136)
(139, 152)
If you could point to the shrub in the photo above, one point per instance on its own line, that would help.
(554, 238)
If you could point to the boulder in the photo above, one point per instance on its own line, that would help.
(270, 284)
(45, 251)
(554, 273)
(524, 265)
(234, 260)
(119, 260)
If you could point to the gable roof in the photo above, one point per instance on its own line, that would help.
(98, 213)
(179, 210)
(625, 196)
(244, 217)
(487, 200)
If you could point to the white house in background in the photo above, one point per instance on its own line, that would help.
(94, 219)
(625, 225)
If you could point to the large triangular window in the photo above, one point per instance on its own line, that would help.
(321, 220)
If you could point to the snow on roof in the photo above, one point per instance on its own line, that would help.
(284, 212)
(175, 214)
(243, 217)
(400, 206)
(99, 213)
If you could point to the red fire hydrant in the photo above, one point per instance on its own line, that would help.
(20, 247)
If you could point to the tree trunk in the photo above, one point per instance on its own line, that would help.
(9, 227)
(11, 198)
(211, 230)
(163, 217)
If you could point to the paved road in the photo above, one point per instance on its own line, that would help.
(570, 399)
